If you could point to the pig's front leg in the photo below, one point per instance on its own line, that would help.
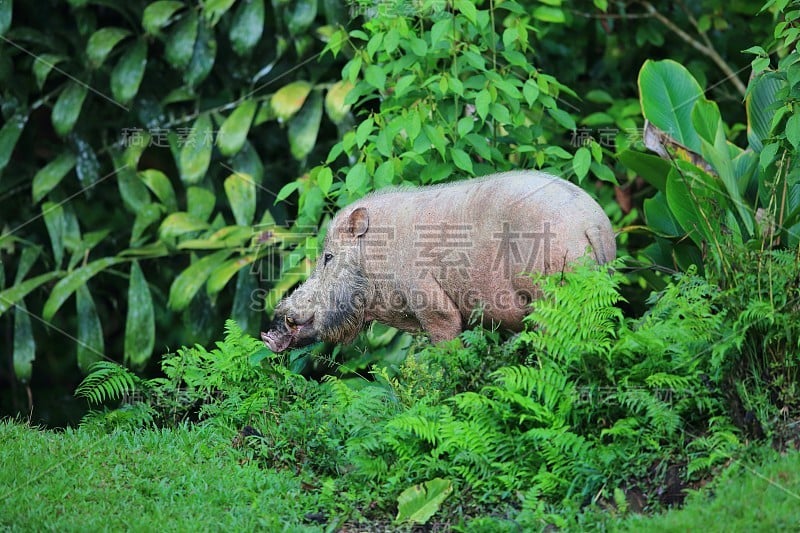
(436, 312)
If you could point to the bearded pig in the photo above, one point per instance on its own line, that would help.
(426, 259)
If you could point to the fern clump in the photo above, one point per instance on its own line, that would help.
(759, 357)
(107, 381)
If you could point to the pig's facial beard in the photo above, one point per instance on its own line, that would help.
(342, 318)
(305, 317)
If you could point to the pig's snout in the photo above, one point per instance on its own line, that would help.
(289, 331)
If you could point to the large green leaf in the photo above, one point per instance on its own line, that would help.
(707, 121)
(24, 343)
(196, 152)
(299, 15)
(72, 281)
(304, 127)
(129, 71)
(102, 42)
(581, 162)
(134, 194)
(161, 186)
(13, 295)
(179, 47)
(335, 105)
(200, 202)
(55, 222)
(462, 160)
(68, 107)
(651, 168)
(145, 217)
(140, 326)
(233, 132)
(247, 26)
(375, 76)
(177, 224)
(190, 280)
(760, 104)
(241, 192)
(324, 177)
(9, 135)
(87, 167)
(357, 179)
(793, 131)
(26, 261)
(159, 14)
(289, 99)
(5, 15)
(247, 161)
(135, 142)
(418, 503)
(214, 9)
(90, 332)
(384, 176)
(205, 52)
(698, 203)
(224, 272)
(43, 65)
(668, 92)
(50, 175)
(659, 218)
(227, 237)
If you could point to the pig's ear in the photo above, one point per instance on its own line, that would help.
(358, 222)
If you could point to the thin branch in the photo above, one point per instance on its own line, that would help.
(706, 50)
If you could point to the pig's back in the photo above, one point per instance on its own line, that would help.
(477, 237)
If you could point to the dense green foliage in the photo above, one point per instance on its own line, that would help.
(154, 137)
(151, 138)
(189, 478)
(183, 159)
(602, 402)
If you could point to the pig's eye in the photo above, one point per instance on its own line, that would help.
(326, 258)
(290, 322)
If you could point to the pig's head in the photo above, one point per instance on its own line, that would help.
(330, 305)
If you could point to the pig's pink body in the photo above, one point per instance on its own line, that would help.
(428, 258)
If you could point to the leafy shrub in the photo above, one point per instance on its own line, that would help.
(734, 213)
(594, 410)
(712, 195)
(148, 139)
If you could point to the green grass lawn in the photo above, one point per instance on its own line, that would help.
(170, 480)
(192, 479)
(745, 498)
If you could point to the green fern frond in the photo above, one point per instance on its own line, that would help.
(576, 316)
(658, 413)
(548, 383)
(107, 381)
(419, 425)
(623, 428)
(757, 313)
(672, 382)
(341, 394)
